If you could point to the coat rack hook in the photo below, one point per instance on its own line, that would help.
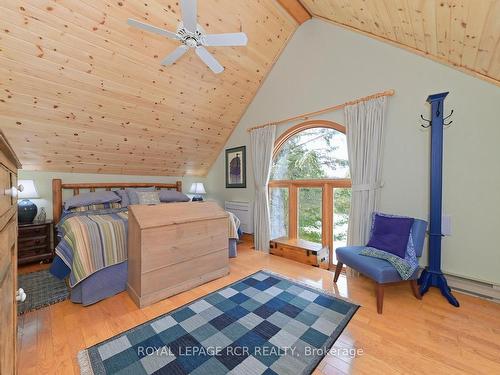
(448, 124)
(428, 121)
(447, 117)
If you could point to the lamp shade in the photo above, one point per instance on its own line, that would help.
(197, 188)
(29, 191)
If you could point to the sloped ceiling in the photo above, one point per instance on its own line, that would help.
(462, 33)
(81, 91)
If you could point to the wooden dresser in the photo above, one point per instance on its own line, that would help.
(35, 242)
(8, 257)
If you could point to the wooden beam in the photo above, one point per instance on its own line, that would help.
(56, 199)
(296, 10)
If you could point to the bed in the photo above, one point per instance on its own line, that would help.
(92, 245)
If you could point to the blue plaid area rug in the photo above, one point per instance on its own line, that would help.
(262, 324)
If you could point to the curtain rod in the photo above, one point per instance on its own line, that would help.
(306, 116)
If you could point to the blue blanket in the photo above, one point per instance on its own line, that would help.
(406, 267)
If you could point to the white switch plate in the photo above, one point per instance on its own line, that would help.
(446, 225)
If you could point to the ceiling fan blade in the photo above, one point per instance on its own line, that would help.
(228, 39)
(174, 56)
(152, 29)
(189, 14)
(208, 59)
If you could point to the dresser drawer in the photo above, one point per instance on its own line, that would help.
(33, 231)
(34, 250)
(34, 256)
(25, 243)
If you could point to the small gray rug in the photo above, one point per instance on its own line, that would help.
(42, 289)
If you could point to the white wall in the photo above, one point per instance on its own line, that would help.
(43, 182)
(325, 65)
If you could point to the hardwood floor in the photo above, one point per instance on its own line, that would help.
(412, 336)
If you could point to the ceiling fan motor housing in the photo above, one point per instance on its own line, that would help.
(189, 38)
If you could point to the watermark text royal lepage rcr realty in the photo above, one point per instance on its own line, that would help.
(246, 351)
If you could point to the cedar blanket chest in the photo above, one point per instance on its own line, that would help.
(174, 247)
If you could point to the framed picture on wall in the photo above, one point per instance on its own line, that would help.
(236, 167)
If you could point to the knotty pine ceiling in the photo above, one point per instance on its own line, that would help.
(462, 33)
(81, 91)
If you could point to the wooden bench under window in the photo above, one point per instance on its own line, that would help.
(299, 250)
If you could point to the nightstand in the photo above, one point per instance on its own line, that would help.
(35, 242)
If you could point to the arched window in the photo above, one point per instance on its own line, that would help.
(310, 184)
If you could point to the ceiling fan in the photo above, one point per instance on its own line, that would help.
(191, 35)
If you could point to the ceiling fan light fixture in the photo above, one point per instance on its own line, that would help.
(191, 42)
(192, 35)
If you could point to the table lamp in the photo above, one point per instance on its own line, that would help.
(26, 209)
(197, 189)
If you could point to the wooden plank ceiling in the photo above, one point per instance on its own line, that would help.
(81, 91)
(462, 33)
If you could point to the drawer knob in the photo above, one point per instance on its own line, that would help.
(20, 295)
(13, 191)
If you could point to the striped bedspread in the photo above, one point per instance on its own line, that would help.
(93, 240)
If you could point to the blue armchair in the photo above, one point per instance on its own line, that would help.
(379, 270)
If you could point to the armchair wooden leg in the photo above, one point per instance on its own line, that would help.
(338, 270)
(415, 289)
(380, 297)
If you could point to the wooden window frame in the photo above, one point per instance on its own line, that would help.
(327, 186)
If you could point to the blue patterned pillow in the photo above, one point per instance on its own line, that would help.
(148, 197)
(132, 194)
(95, 207)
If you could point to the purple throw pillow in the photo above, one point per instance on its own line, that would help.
(391, 234)
(173, 196)
(124, 196)
(87, 199)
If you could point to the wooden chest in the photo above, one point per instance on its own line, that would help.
(301, 251)
(175, 247)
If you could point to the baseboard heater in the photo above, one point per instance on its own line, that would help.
(480, 289)
(244, 212)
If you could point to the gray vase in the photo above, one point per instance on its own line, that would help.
(42, 216)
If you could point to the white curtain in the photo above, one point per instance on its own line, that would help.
(262, 145)
(365, 135)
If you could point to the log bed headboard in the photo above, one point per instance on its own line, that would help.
(58, 187)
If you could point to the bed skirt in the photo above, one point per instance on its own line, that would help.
(102, 284)
(106, 282)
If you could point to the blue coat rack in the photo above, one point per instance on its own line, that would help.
(432, 274)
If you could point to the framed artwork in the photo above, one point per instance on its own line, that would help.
(236, 167)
